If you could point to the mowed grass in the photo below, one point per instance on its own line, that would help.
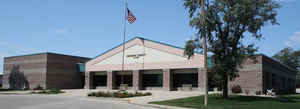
(237, 102)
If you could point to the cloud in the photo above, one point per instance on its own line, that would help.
(294, 40)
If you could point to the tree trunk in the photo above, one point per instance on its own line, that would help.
(225, 85)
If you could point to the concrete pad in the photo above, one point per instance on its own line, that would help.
(157, 95)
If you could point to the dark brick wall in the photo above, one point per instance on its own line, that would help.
(63, 73)
(47, 70)
(250, 76)
(258, 75)
(278, 76)
(25, 71)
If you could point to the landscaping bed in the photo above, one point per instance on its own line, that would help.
(47, 92)
(118, 94)
(6, 89)
(237, 102)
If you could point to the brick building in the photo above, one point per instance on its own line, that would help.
(46, 70)
(264, 73)
(153, 65)
(148, 65)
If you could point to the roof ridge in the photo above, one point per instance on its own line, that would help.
(136, 37)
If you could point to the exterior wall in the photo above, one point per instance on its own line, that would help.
(25, 71)
(156, 56)
(137, 79)
(167, 79)
(278, 76)
(165, 57)
(250, 76)
(111, 80)
(258, 75)
(47, 70)
(62, 71)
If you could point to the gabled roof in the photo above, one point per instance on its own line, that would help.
(173, 57)
(134, 39)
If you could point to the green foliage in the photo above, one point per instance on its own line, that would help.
(190, 46)
(7, 89)
(118, 94)
(236, 89)
(225, 24)
(236, 102)
(290, 57)
(53, 91)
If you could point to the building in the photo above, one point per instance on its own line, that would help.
(43, 70)
(263, 73)
(153, 65)
(148, 65)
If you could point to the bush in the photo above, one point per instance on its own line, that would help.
(6, 89)
(247, 92)
(118, 94)
(258, 92)
(38, 88)
(54, 91)
(148, 94)
(236, 89)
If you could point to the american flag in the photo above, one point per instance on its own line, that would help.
(130, 17)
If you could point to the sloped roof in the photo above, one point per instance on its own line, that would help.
(134, 39)
(94, 64)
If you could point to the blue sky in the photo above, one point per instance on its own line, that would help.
(90, 27)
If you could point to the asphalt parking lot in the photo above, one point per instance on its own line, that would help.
(62, 102)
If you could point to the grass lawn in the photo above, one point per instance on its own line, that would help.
(237, 102)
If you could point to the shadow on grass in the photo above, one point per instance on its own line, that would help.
(283, 99)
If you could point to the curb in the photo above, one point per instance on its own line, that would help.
(14, 93)
(157, 106)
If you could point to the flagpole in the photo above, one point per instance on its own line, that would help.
(124, 38)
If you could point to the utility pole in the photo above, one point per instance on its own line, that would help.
(204, 56)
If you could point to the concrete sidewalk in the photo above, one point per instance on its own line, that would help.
(162, 96)
(15, 92)
(144, 101)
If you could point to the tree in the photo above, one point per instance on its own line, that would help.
(225, 24)
(290, 58)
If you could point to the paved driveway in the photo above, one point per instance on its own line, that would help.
(62, 102)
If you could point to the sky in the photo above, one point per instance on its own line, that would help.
(90, 27)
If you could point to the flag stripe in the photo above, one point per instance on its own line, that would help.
(130, 17)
